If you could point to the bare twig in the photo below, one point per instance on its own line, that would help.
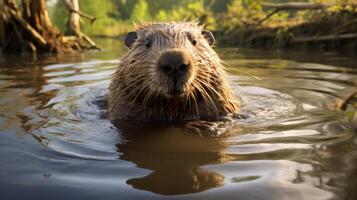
(268, 16)
(89, 17)
(72, 8)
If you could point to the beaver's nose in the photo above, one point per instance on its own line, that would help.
(174, 63)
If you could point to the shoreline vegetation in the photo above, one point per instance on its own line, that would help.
(325, 26)
(282, 24)
(326, 30)
(278, 24)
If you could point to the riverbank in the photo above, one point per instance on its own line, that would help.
(302, 26)
(332, 28)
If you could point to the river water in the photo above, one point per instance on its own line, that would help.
(55, 143)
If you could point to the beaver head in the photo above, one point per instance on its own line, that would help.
(172, 66)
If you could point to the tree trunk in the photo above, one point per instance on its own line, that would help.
(2, 28)
(74, 22)
(32, 30)
(35, 12)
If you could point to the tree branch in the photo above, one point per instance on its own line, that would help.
(268, 16)
(324, 38)
(296, 6)
(89, 17)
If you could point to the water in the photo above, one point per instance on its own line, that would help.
(54, 141)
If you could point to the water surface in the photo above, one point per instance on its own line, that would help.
(54, 141)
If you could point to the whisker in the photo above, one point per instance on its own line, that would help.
(212, 103)
(242, 72)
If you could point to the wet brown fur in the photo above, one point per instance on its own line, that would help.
(138, 91)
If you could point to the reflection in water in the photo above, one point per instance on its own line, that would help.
(352, 183)
(53, 139)
(22, 79)
(175, 170)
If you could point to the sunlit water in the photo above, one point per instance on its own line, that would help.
(55, 143)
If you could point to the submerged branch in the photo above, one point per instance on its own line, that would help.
(342, 104)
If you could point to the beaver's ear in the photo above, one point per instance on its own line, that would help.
(130, 38)
(208, 36)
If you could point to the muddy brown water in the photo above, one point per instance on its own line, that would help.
(54, 143)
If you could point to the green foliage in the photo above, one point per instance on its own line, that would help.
(161, 16)
(101, 10)
(242, 13)
(107, 21)
(194, 10)
(59, 15)
(115, 17)
(140, 11)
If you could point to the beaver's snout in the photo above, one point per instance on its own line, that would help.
(174, 64)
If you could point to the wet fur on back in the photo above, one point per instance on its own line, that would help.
(139, 91)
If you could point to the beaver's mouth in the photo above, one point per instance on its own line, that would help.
(175, 92)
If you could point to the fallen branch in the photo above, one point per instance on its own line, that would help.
(90, 42)
(345, 27)
(342, 105)
(296, 6)
(324, 38)
(29, 29)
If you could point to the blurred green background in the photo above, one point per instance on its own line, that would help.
(115, 17)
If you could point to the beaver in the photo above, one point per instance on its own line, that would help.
(170, 73)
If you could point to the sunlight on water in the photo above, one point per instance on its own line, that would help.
(54, 135)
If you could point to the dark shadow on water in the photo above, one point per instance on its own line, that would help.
(173, 157)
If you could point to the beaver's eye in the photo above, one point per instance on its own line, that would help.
(191, 38)
(147, 44)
